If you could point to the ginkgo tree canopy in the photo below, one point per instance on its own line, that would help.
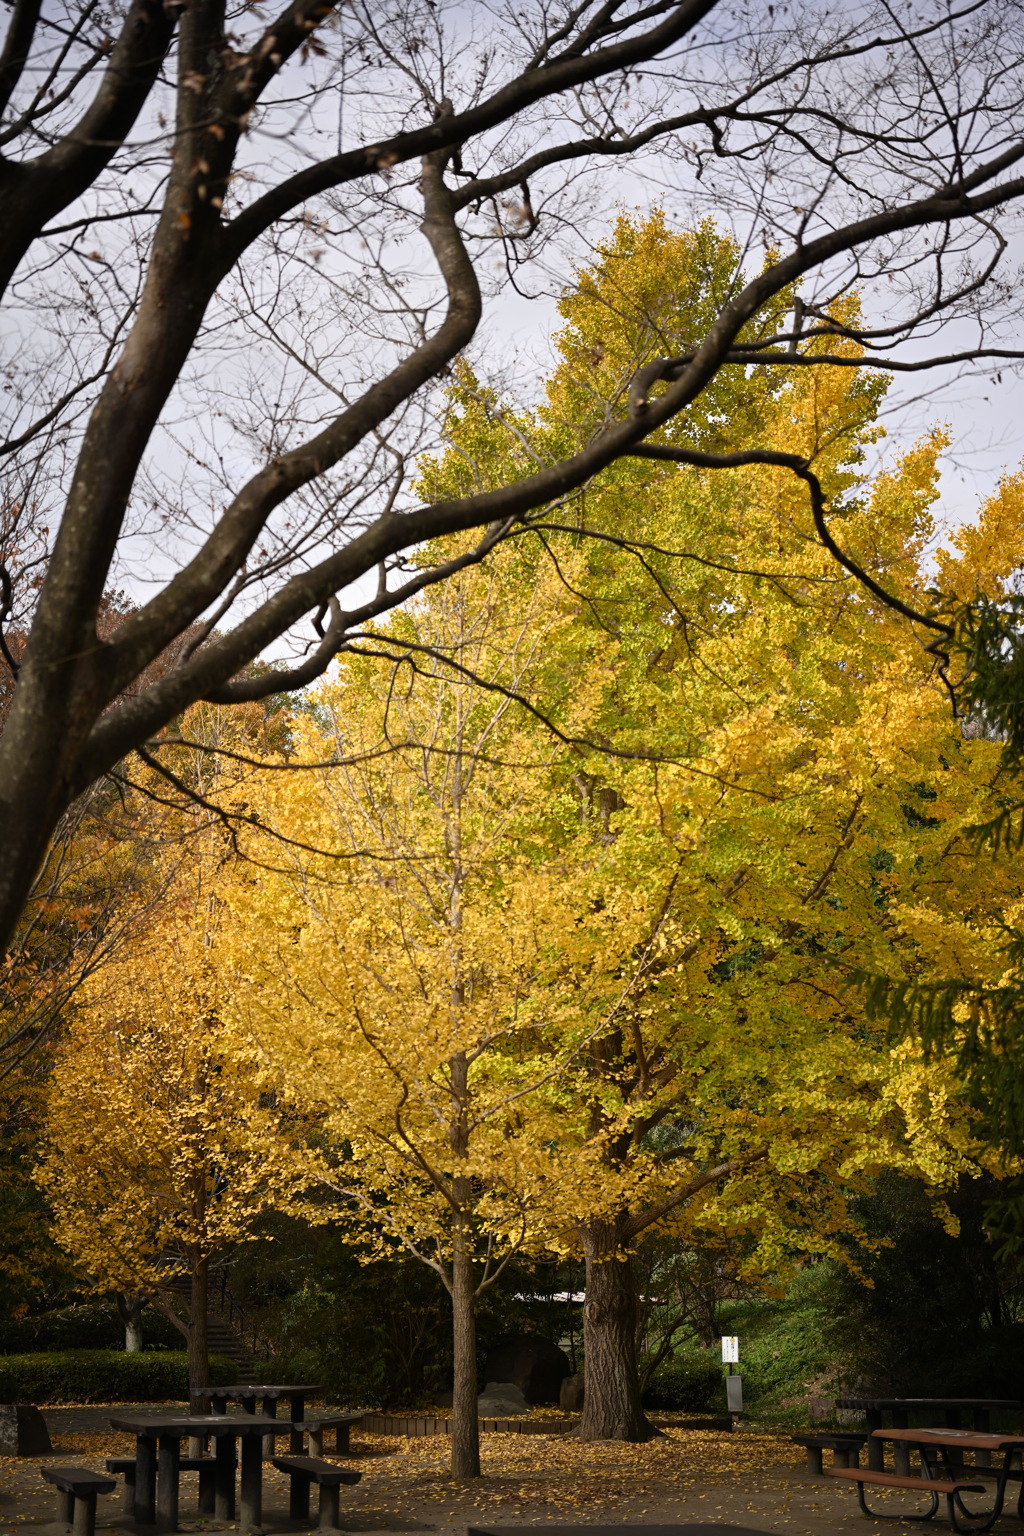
(614, 822)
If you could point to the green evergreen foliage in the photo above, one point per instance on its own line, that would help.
(379, 1335)
(104, 1376)
(690, 1383)
(83, 1326)
(932, 1310)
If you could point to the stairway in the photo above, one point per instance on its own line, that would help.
(224, 1334)
(223, 1340)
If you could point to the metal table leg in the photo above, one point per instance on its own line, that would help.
(145, 1481)
(168, 1474)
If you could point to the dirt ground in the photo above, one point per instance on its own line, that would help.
(747, 1478)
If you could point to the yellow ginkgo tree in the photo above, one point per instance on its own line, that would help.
(586, 847)
(773, 789)
(162, 1148)
(389, 968)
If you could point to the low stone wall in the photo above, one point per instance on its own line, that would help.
(387, 1424)
(390, 1424)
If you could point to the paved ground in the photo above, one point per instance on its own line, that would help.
(749, 1478)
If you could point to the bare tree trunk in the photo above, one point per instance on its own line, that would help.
(198, 1347)
(465, 1422)
(611, 1402)
(129, 1310)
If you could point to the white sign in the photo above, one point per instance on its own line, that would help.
(730, 1350)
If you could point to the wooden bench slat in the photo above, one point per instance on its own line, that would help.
(897, 1480)
(323, 1422)
(78, 1479)
(322, 1472)
(830, 1442)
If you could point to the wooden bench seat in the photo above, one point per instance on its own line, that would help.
(305, 1470)
(931, 1486)
(206, 1466)
(845, 1449)
(341, 1423)
(77, 1488)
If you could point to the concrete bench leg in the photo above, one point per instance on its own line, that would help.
(128, 1492)
(84, 1519)
(298, 1495)
(316, 1442)
(224, 1477)
(65, 1506)
(250, 1492)
(330, 1505)
(208, 1489)
(815, 1464)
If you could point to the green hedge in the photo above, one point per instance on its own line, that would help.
(104, 1376)
(688, 1384)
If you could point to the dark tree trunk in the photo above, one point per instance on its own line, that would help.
(198, 1346)
(130, 1312)
(611, 1402)
(465, 1422)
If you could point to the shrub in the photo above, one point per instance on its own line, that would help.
(89, 1325)
(104, 1376)
(687, 1384)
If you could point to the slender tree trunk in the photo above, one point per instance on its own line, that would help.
(611, 1400)
(130, 1312)
(465, 1422)
(198, 1346)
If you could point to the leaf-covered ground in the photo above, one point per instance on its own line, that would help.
(748, 1478)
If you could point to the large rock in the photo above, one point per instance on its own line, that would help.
(501, 1400)
(570, 1396)
(23, 1431)
(536, 1366)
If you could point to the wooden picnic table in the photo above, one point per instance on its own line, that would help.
(949, 1446)
(269, 1395)
(158, 1440)
(900, 1408)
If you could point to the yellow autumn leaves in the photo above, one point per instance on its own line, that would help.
(574, 859)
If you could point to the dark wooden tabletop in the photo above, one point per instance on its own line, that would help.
(245, 1389)
(927, 1402)
(972, 1439)
(152, 1425)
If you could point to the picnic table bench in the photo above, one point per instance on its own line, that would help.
(932, 1486)
(341, 1423)
(900, 1409)
(305, 1470)
(946, 1446)
(77, 1488)
(268, 1394)
(845, 1450)
(158, 1463)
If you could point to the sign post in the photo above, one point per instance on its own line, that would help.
(733, 1383)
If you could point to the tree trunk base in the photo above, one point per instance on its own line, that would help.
(631, 1433)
